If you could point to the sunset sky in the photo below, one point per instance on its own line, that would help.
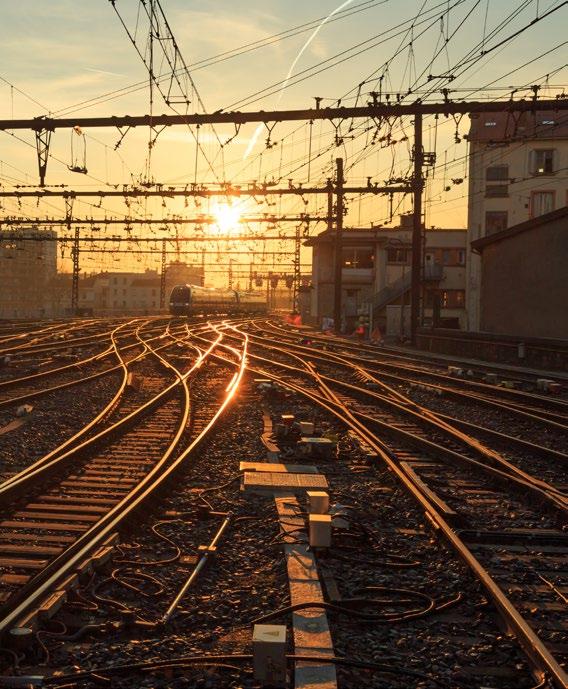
(62, 53)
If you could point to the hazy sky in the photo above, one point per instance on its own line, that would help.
(62, 52)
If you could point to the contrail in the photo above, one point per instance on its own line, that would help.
(303, 49)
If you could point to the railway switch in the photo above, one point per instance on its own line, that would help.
(317, 447)
(269, 654)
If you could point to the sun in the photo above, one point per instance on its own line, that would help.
(227, 219)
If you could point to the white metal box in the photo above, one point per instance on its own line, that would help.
(269, 654)
(320, 530)
(318, 501)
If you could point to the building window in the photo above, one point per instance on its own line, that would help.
(449, 298)
(497, 173)
(495, 221)
(461, 257)
(358, 257)
(495, 191)
(541, 202)
(542, 161)
(446, 257)
(398, 255)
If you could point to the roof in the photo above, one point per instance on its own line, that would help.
(533, 223)
(145, 282)
(356, 236)
(507, 126)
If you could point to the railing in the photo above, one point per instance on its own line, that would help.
(432, 272)
(392, 291)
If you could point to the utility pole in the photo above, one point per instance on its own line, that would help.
(297, 271)
(74, 257)
(75, 282)
(163, 276)
(417, 183)
(338, 244)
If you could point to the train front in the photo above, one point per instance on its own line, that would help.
(180, 300)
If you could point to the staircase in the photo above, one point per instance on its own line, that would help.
(391, 292)
(432, 273)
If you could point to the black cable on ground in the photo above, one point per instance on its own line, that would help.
(222, 661)
(350, 606)
(162, 537)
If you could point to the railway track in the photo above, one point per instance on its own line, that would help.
(61, 514)
(523, 418)
(415, 360)
(375, 360)
(503, 519)
(514, 544)
(21, 457)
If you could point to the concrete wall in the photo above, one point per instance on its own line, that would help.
(524, 288)
(517, 156)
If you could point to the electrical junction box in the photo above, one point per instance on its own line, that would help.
(317, 447)
(269, 654)
(307, 427)
(318, 501)
(320, 530)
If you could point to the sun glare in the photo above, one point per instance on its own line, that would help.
(227, 219)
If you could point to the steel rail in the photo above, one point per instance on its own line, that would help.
(424, 415)
(109, 351)
(70, 442)
(42, 584)
(540, 417)
(482, 387)
(26, 397)
(408, 355)
(538, 653)
(24, 333)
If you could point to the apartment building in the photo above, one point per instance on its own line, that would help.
(377, 271)
(132, 292)
(28, 266)
(518, 170)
